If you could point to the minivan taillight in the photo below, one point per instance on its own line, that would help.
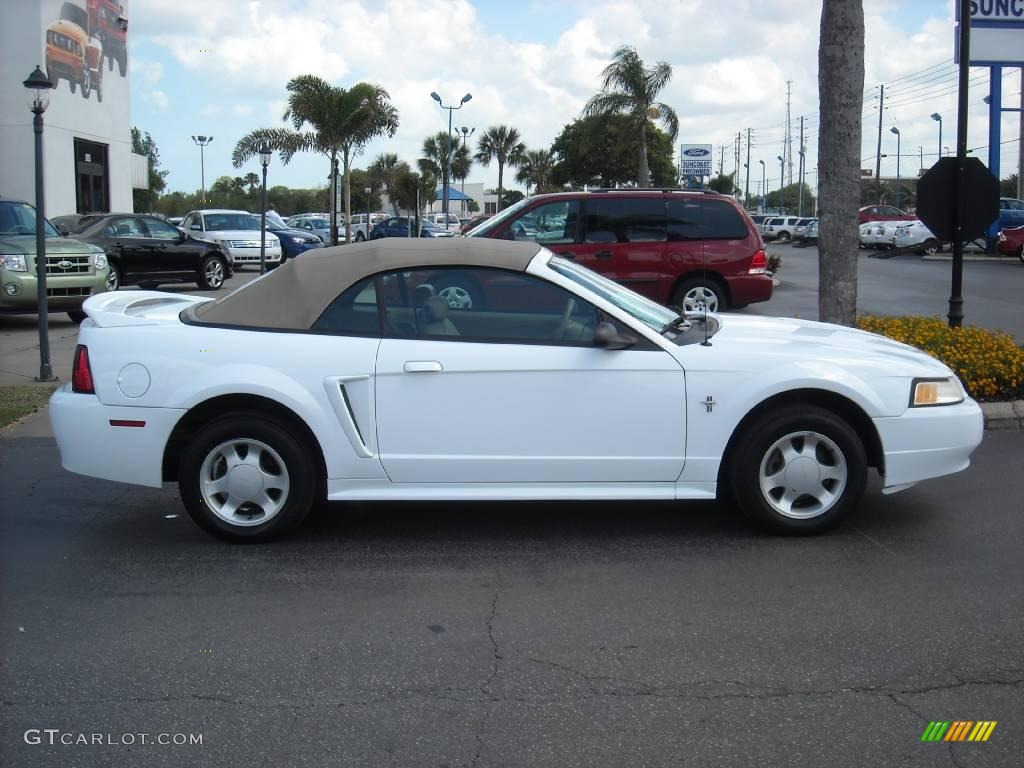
(758, 264)
(81, 373)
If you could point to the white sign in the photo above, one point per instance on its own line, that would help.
(695, 160)
(997, 33)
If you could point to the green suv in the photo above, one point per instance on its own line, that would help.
(74, 270)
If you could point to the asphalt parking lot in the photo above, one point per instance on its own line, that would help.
(645, 634)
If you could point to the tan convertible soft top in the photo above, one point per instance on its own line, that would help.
(295, 294)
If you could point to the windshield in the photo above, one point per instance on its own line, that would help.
(220, 222)
(498, 219)
(20, 219)
(643, 309)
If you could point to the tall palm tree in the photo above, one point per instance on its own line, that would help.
(328, 119)
(386, 169)
(840, 86)
(535, 169)
(630, 88)
(435, 149)
(252, 180)
(501, 143)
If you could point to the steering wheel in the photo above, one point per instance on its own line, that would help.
(563, 325)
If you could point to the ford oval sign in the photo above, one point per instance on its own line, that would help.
(696, 152)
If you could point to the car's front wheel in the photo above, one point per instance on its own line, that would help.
(698, 294)
(460, 292)
(211, 274)
(246, 477)
(798, 470)
(931, 247)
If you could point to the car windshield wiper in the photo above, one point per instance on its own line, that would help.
(677, 323)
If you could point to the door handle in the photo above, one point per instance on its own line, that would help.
(423, 366)
(567, 254)
(604, 254)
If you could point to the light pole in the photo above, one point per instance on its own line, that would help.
(39, 87)
(782, 180)
(764, 188)
(938, 118)
(264, 161)
(466, 133)
(201, 142)
(367, 190)
(448, 157)
(896, 130)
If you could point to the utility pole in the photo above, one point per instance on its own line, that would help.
(800, 198)
(736, 148)
(878, 153)
(787, 149)
(920, 153)
(746, 190)
(721, 161)
(1020, 142)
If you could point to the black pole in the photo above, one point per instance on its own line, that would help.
(42, 305)
(202, 172)
(878, 152)
(263, 224)
(447, 167)
(367, 216)
(956, 299)
(899, 182)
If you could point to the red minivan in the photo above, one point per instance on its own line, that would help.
(687, 249)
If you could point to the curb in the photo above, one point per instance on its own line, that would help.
(1004, 415)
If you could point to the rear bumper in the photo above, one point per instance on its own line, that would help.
(748, 289)
(929, 442)
(90, 445)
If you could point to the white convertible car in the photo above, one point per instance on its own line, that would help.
(345, 375)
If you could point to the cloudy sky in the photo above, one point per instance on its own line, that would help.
(219, 67)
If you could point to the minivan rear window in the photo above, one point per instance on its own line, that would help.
(705, 219)
(624, 220)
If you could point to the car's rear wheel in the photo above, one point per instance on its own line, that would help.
(211, 274)
(798, 470)
(113, 277)
(1020, 253)
(784, 236)
(245, 477)
(77, 316)
(931, 246)
(696, 294)
(460, 292)
(86, 84)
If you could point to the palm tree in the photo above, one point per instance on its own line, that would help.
(535, 169)
(628, 87)
(252, 180)
(385, 170)
(330, 120)
(501, 143)
(435, 149)
(840, 87)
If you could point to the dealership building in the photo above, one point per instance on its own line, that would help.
(82, 47)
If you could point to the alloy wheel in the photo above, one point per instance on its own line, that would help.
(803, 475)
(244, 482)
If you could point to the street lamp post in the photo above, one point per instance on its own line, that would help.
(264, 161)
(764, 188)
(448, 158)
(201, 142)
(899, 183)
(368, 191)
(782, 180)
(39, 86)
(466, 133)
(938, 118)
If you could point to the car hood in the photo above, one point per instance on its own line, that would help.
(757, 343)
(54, 245)
(293, 232)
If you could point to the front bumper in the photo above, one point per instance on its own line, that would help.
(90, 445)
(929, 442)
(64, 293)
(242, 256)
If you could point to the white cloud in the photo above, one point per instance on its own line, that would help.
(241, 110)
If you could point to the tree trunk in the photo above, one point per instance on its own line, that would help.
(348, 194)
(644, 177)
(501, 170)
(334, 196)
(840, 91)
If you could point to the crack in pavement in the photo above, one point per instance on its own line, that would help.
(478, 733)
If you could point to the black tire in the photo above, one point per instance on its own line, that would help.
(72, 84)
(931, 246)
(1020, 253)
(86, 85)
(122, 63)
(784, 236)
(679, 295)
(115, 279)
(110, 62)
(460, 291)
(77, 316)
(211, 273)
(360, 237)
(99, 94)
(304, 483)
(756, 447)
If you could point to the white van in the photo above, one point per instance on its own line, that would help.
(357, 225)
(452, 224)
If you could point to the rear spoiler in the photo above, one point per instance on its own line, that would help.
(117, 308)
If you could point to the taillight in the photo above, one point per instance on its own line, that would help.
(758, 264)
(81, 373)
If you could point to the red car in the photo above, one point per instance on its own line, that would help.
(688, 249)
(108, 24)
(1011, 242)
(883, 213)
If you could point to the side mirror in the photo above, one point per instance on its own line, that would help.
(607, 336)
(63, 230)
(182, 235)
(196, 227)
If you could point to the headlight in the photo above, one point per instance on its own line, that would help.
(15, 262)
(935, 392)
(99, 260)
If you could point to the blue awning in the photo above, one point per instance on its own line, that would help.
(453, 194)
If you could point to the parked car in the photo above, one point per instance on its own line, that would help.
(107, 22)
(759, 218)
(1011, 242)
(475, 222)
(347, 391)
(175, 220)
(915, 235)
(67, 43)
(883, 213)
(451, 222)
(294, 241)
(398, 226)
(146, 250)
(238, 232)
(688, 249)
(316, 225)
(781, 228)
(877, 235)
(811, 233)
(75, 269)
(800, 231)
(1011, 213)
(358, 226)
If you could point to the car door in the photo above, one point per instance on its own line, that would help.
(127, 238)
(518, 395)
(173, 254)
(624, 239)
